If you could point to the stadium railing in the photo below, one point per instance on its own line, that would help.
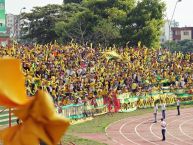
(128, 103)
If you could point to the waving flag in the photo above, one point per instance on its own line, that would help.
(40, 122)
(12, 83)
(112, 55)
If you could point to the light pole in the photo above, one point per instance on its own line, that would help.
(21, 10)
(170, 21)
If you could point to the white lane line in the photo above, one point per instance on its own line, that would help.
(157, 135)
(120, 129)
(142, 136)
(122, 134)
(175, 136)
(136, 133)
(181, 130)
(115, 141)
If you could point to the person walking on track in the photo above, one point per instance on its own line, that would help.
(155, 112)
(178, 106)
(163, 126)
(163, 110)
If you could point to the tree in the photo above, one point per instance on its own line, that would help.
(98, 21)
(40, 23)
(144, 23)
(71, 1)
(77, 26)
(109, 8)
(184, 46)
(105, 33)
(112, 15)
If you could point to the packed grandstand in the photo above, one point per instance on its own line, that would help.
(74, 74)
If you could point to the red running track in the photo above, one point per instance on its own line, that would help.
(141, 130)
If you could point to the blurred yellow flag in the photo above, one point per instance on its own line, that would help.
(112, 54)
(40, 122)
(139, 44)
(39, 117)
(12, 83)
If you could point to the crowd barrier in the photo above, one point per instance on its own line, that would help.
(128, 103)
(78, 111)
(147, 100)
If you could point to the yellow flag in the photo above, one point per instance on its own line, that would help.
(139, 44)
(12, 83)
(112, 54)
(40, 122)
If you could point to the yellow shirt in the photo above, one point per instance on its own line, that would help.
(134, 86)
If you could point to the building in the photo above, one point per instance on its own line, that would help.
(182, 33)
(2, 17)
(13, 25)
(4, 38)
(166, 30)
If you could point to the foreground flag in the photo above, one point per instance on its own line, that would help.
(40, 122)
(12, 83)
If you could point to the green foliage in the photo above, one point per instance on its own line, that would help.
(72, 1)
(98, 21)
(70, 139)
(40, 23)
(77, 28)
(105, 32)
(184, 46)
(144, 23)
(111, 15)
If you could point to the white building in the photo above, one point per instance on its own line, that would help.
(13, 25)
(186, 34)
(166, 30)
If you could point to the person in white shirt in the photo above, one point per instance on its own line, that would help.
(67, 72)
(79, 71)
(163, 110)
(178, 106)
(155, 112)
(182, 83)
(80, 100)
(163, 129)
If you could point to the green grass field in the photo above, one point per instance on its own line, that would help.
(78, 141)
(99, 123)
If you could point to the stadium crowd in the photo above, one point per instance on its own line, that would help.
(73, 74)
